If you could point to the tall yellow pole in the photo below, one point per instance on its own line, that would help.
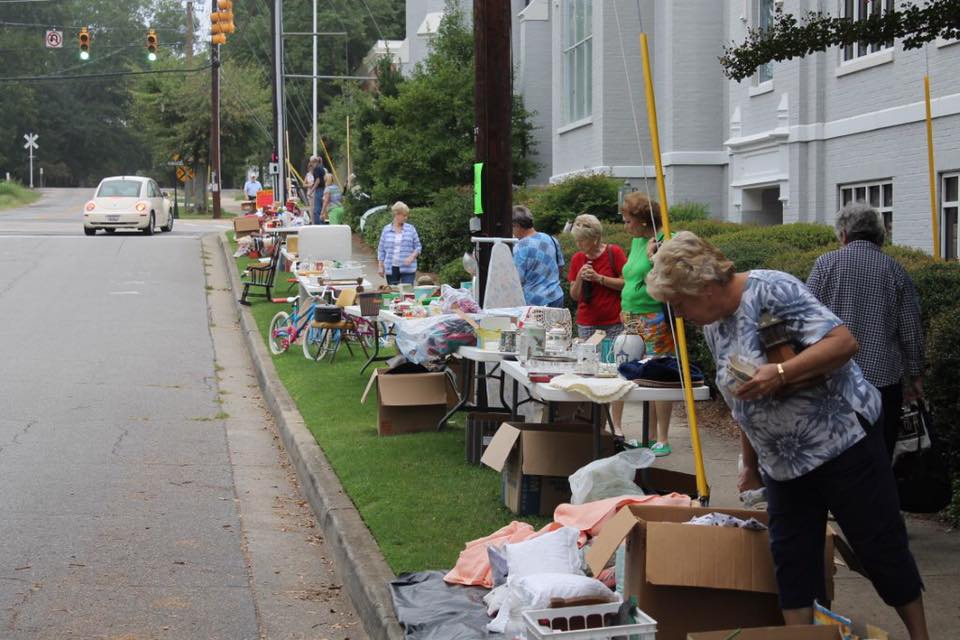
(702, 487)
(349, 167)
(935, 225)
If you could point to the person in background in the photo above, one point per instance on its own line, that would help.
(308, 183)
(873, 295)
(251, 187)
(596, 278)
(331, 200)
(398, 248)
(809, 443)
(642, 315)
(319, 176)
(538, 259)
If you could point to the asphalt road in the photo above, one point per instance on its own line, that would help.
(121, 508)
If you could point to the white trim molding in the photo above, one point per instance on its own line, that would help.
(583, 122)
(760, 89)
(537, 10)
(617, 171)
(689, 158)
(868, 61)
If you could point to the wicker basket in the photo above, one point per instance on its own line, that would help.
(369, 304)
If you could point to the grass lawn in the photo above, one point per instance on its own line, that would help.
(13, 194)
(415, 492)
(205, 216)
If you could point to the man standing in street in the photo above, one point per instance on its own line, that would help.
(316, 189)
(538, 259)
(873, 295)
(251, 187)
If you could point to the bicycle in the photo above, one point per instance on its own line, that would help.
(286, 328)
(325, 339)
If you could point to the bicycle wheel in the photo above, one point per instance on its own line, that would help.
(280, 333)
(313, 348)
(365, 333)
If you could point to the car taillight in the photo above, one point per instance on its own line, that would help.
(91, 206)
(141, 206)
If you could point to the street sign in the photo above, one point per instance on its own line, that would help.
(31, 139)
(184, 173)
(54, 39)
(175, 163)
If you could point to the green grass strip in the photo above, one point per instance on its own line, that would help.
(415, 492)
(13, 194)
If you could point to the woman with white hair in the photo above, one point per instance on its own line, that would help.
(804, 425)
(398, 248)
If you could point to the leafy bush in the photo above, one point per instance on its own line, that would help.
(706, 228)
(688, 212)
(555, 206)
(444, 227)
(797, 263)
(746, 251)
(937, 284)
(354, 204)
(453, 273)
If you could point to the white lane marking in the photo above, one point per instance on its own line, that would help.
(124, 293)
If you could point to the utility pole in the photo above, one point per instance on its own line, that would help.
(215, 128)
(188, 42)
(280, 194)
(493, 106)
(314, 123)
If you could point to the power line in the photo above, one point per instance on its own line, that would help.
(92, 76)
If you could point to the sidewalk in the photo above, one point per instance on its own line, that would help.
(935, 547)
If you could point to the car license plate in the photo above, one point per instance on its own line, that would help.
(113, 218)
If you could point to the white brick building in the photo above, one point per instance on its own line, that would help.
(791, 144)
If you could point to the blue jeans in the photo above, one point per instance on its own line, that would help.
(395, 277)
(317, 206)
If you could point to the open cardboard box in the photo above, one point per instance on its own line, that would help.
(695, 578)
(246, 225)
(799, 632)
(410, 399)
(536, 460)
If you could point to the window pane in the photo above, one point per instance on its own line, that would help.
(888, 225)
(846, 195)
(950, 233)
(587, 17)
(578, 112)
(888, 195)
(874, 192)
(950, 188)
(860, 194)
(588, 81)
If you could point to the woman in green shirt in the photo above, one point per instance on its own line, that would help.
(642, 315)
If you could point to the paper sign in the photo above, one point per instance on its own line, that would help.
(478, 188)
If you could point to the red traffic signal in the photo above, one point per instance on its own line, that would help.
(83, 40)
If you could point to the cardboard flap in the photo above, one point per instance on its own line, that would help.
(500, 447)
(801, 632)
(412, 389)
(373, 377)
(605, 544)
(557, 450)
(687, 555)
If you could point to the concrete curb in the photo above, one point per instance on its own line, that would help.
(361, 565)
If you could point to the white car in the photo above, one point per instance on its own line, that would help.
(127, 202)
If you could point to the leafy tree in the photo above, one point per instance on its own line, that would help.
(789, 37)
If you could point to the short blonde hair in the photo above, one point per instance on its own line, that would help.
(400, 207)
(684, 265)
(587, 227)
(328, 179)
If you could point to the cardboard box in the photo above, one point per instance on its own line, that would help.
(480, 429)
(248, 206)
(246, 225)
(410, 401)
(536, 460)
(800, 632)
(695, 578)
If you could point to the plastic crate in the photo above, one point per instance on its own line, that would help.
(576, 620)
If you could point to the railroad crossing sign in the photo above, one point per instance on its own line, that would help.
(31, 139)
(184, 173)
(54, 39)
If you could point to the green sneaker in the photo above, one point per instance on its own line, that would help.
(660, 449)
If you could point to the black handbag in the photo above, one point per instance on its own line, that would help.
(327, 313)
(923, 477)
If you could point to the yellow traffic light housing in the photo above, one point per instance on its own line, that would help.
(152, 45)
(83, 40)
(221, 22)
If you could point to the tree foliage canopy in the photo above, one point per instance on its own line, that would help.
(789, 37)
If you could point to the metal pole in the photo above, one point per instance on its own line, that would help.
(215, 128)
(280, 116)
(702, 487)
(349, 166)
(935, 225)
(492, 111)
(31, 166)
(314, 123)
(188, 41)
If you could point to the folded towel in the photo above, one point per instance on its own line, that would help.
(601, 390)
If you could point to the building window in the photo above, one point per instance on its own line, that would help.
(578, 59)
(878, 195)
(858, 10)
(949, 205)
(763, 11)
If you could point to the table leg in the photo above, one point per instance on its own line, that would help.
(645, 433)
(597, 416)
(465, 385)
(515, 411)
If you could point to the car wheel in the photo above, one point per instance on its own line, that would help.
(167, 228)
(149, 230)
(110, 230)
(89, 231)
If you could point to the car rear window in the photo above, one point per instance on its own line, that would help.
(121, 188)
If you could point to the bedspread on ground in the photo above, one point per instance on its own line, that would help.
(430, 609)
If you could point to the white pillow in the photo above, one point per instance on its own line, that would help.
(535, 592)
(554, 552)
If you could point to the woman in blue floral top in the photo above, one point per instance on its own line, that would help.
(804, 425)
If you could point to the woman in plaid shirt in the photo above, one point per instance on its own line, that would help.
(398, 248)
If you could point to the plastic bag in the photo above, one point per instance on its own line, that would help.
(452, 299)
(429, 340)
(610, 477)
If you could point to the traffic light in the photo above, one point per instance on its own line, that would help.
(83, 39)
(221, 22)
(151, 45)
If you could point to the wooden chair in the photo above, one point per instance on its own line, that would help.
(261, 276)
(346, 327)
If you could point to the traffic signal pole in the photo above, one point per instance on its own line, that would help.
(278, 114)
(215, 128)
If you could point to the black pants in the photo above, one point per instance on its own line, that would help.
(859, 489)
(892, 398)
